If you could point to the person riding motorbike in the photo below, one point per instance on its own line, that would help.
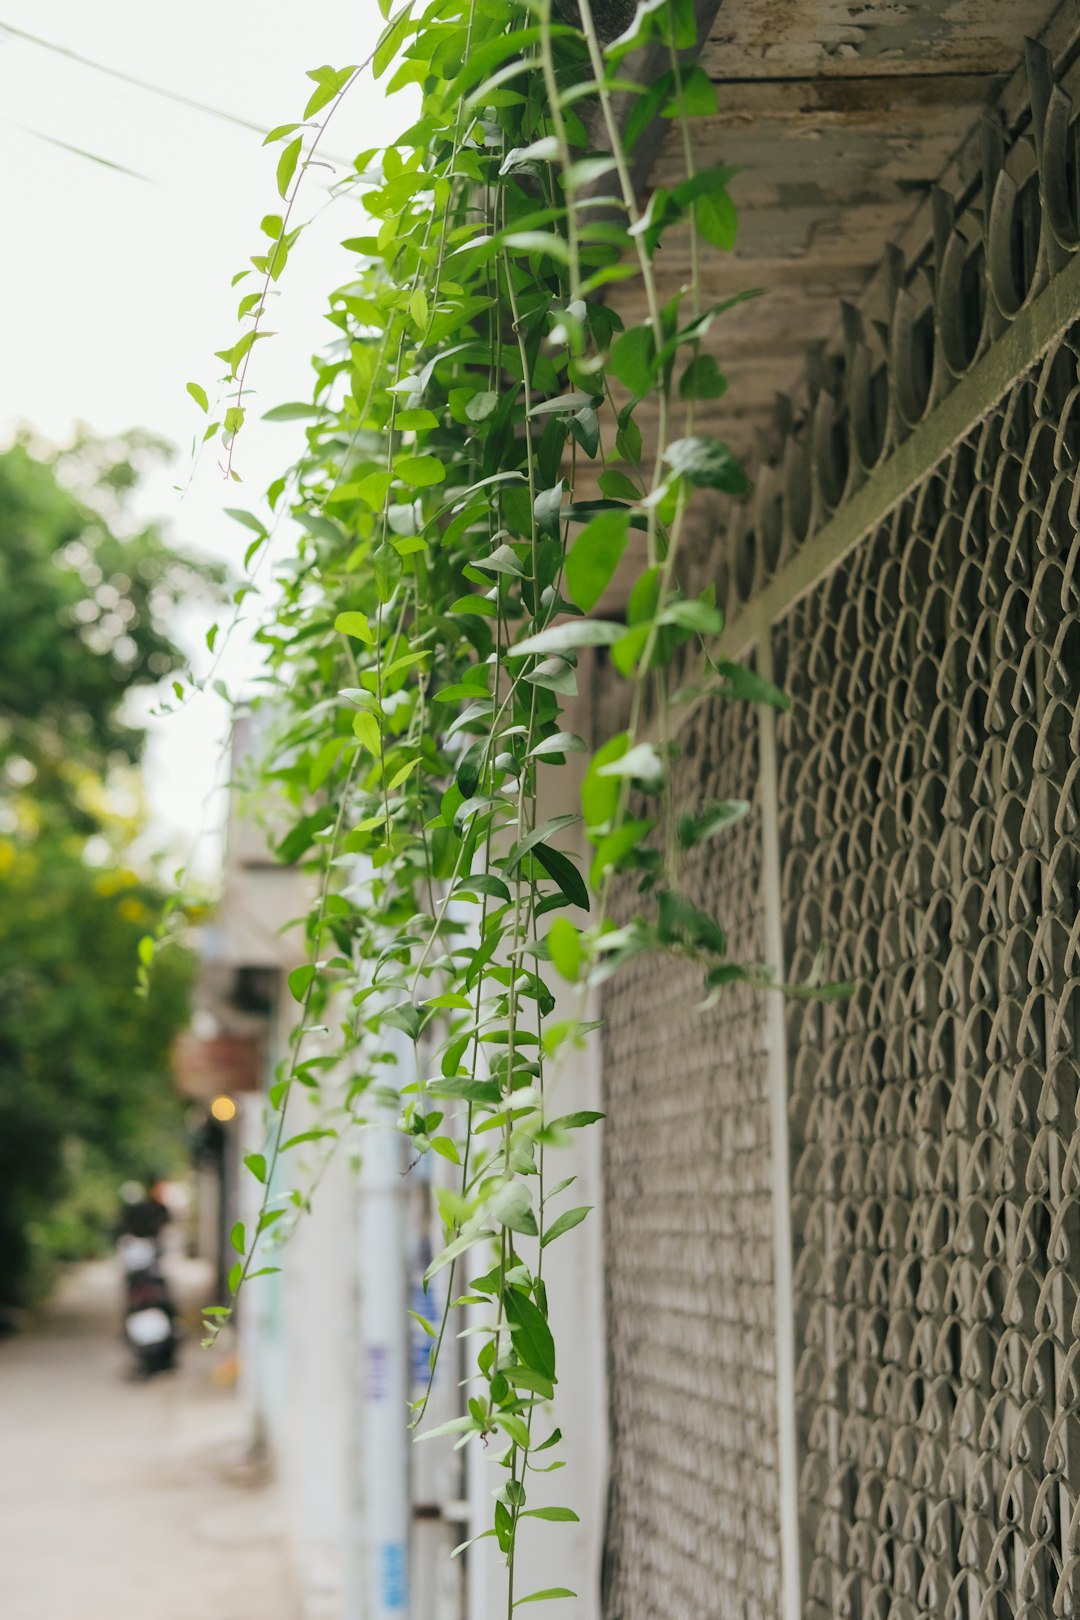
(150, 1325)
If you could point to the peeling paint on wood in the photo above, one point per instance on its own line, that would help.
(808, 38)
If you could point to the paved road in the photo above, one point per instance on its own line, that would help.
(122, 1501)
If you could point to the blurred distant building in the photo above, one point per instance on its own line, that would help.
(329, 1356)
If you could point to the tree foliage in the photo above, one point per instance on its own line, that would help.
(82, 1059)
(83, 622)
(85, 599)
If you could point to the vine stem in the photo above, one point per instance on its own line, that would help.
(294, 1062)
(273, 258)
(552, 86)
(652, 297)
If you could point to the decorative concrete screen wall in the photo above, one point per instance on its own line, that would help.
(929, 812)
(844, 1239)
(693, 1508)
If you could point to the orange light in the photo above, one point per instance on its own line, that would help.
(223, 1108)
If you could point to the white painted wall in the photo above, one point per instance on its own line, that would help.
(310, 1342)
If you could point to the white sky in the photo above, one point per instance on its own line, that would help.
(115, 289)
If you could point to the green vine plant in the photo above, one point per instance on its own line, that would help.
(473, 474)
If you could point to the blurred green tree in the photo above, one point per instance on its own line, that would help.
(86, 598)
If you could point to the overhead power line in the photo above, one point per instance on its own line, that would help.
(191, 102)
(130, 78)
(80, 151)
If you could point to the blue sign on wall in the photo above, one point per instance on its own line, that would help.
(393, 1575)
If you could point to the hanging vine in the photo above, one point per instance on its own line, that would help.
(473, 477)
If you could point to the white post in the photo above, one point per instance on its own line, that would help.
(382, 1590)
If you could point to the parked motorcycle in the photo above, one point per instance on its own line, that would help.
(149, 1313)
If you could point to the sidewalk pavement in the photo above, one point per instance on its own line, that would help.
(121, 1500)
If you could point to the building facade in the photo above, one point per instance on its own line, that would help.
(821, 1339)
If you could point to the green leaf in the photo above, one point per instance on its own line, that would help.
(235, 1274)
(561, 742)
(615, 846)
(525, 1378)
(553, 1515)
(373, 489)
(641, 762)
(324, 762)
(512, 1207)
(515, 1427)
(574, 633)
(716, 818)
(574, 1122)
(481, 406)
(238, 1238)
(679, 921)
(537, 836)
(633, 355)
(564, 949)
(256, 1163)
(458, 1425)
(547, 510)
(419, 471)
(545, 242)
(661, 211)
(531, 1335)
(618, 486)
(716, 219)
(400, 775)
(355, 625)
(300, 978)
(366, 727)
(702, 379)
(699, 98)
(594, 557)
(390, 39)
(703, 183)
(294, 411)
(485, 1092)
(707, 463)
(404, 1017)
(316, 1134)
(503, 560)
(286, 166)
(482, 607)
(565, 1223)
(600, 794)
(248, 519)
(702, 618)
(566, 875)
(748, 684)
(548, 1592)
(198, 394)
(544, 150)
(460, 1245)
